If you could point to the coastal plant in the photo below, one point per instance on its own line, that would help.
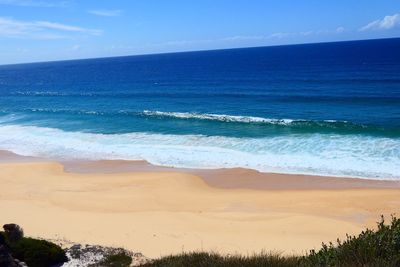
(379, 247)
(371, 248)
(120, 259)
(34, 252)
(206, 259)
(37, 253)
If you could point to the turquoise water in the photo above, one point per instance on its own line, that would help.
(327, 109)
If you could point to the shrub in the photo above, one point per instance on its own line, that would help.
(38, 253)
(34, 252)
(370, 248)
(121, 259)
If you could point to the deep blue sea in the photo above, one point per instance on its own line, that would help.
(327, 109)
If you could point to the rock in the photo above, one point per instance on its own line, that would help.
(5, 258)
(76, 246)
(20, 263)
(13, 232)
(87, 255)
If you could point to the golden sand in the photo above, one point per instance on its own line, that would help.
(165, 212)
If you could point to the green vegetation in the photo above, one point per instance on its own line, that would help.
(34, 252)
(204, 259)
(372, 248)
(121, 259)
(37, 253)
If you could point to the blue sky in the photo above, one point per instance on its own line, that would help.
(42, 30)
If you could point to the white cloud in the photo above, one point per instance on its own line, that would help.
(75, 47)
(11, 28)
(243, 38)
(64, 27)
(388, 22)
(277, 37)
(280, 35)
(339, 29)
(106, 12)
(34, 3)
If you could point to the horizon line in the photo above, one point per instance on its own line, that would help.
(192, 51)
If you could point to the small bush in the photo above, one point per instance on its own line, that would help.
(370, 248)
(38, 253)
(34, 252)
(121, 259)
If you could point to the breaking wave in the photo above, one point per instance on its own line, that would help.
(218, 117)
(320, 154)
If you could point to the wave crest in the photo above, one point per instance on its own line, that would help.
(265, 126)
(218, 117)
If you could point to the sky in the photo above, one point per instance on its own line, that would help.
(47, 30)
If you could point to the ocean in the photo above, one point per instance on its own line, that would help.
(328, 109)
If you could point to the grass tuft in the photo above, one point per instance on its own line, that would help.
(205, 259)
(120, 259)
(371, 248)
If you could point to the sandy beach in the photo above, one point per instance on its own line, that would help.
(160, 211)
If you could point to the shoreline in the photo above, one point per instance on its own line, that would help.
(224, 178)
(160, 211)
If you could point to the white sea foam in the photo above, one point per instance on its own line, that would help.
(9, 118)
(216, 117)
(189, 115)
(323, 154)
(52, 93)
